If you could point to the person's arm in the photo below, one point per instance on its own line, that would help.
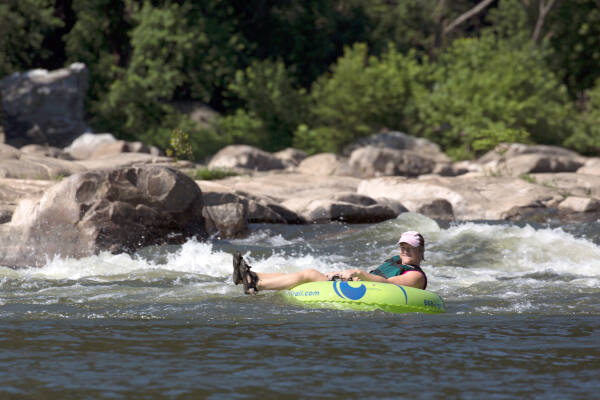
(361, 275)
(410, 278)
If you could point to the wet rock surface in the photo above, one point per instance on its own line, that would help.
(117, 196)
(118, 210)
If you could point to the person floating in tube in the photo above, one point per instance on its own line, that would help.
(404, 269)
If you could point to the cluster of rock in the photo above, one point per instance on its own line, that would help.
(41, 106)
(121, 200)
(99, 193)
(512, 182)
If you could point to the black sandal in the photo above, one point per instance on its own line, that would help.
(242, 274)
(237, 274)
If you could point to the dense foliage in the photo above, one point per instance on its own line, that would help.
(317, 74)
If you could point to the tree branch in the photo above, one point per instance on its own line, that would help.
(465, 16)
(544, 9)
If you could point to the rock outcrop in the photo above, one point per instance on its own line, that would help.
(325, 164)
(481, 198)
(119, 200)
(291, 157)
(399, 141)
(370, 161)
(118, 210)
(12, 191)
(344, 207)
(505, 151)
(516, 159)
(84, 146)
(18, 164)
(245, 157)
(41, 107)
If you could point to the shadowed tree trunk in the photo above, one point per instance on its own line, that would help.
(544, 7)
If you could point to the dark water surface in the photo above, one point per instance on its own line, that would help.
(287, 354)
(523, 320)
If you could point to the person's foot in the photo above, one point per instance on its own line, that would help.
(242, 274)
(237, 273)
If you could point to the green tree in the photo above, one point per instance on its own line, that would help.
(273, 107)
(510, 20)
(99, 39)
(424, 26)
(360, 96)
(307, 35)
(569, 28)
(586, 136)
(176, 53)
(574, 35)
(491, 87)
(23, 26)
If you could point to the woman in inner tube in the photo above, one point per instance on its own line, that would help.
(404, 269)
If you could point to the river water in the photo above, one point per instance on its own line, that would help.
(522, 321)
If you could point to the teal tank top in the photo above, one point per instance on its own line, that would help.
(394, 267)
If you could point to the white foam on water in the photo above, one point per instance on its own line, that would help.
(491, 251)
(199, 258)
(264, 237)
(193, 257)
(280, 263)
(467, 260)
(103, 264)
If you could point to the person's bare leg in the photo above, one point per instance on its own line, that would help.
(267, 275)
(288, 281)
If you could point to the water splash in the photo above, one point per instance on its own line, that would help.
(480, 267)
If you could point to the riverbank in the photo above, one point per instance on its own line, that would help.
(512, 183)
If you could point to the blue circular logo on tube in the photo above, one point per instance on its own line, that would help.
(349, 292)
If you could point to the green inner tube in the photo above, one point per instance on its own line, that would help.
(367, 296)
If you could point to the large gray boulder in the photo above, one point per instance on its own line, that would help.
(118, 210)
(325, 164)
(252, 208)
(570, 184)
(245, 157)
(579, 204)
(591, 167)
(12, 191)
(351, 209)
(478, 198)
(85, 145)
(399, 141)
(291, 157)
(371, 161)
(18, 164)
(122, 146)
(531, 163)
(285, 186)
(505, 151)
(42, 107)
(46, 151)
(124, 160)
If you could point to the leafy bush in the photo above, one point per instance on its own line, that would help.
(206, 174)
(273, 107)
(586, 136)
(306, 35)
(202, 142)
(484, 90)
(99, 39)
(575, 39)
(361, 95)
(177, 53)
(242, 127)
(23, 26)
(179, 145)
